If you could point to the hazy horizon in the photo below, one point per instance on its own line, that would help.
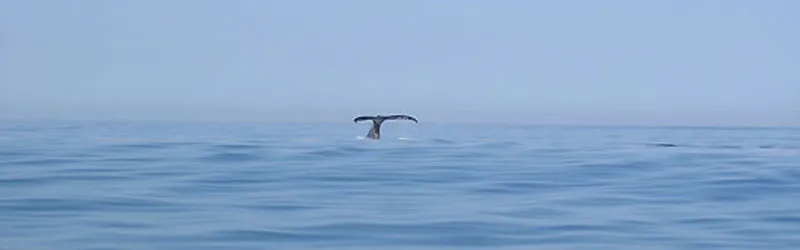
(655, 63)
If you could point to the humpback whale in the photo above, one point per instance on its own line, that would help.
(375, 131)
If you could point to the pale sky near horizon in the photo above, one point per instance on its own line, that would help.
(689, 62)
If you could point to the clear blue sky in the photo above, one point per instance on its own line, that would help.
(693, 62)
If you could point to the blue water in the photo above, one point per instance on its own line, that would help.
(142, 185)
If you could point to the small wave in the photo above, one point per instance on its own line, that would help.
(44, 162)
(279, 207)
(673, 145)
(785, 147)
(148, 145)
(326, 153)
(413, 228)
(499, 144)
(226, 157)
(705, 221)
(789, 220)
(235, 146)
(362, 138)
(16, 153)
(531, 213)
(266, 235)
(62, 205)
(131, 159)
(123, 225)
(515, 188)
(337, 151)
(142, 145)
(21, 181)
(34, 205)
(460, 233)
(442, 141)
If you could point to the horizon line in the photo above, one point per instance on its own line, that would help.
(435, 122)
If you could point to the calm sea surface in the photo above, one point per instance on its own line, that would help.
(141, 185)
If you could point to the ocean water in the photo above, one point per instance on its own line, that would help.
(140, 185)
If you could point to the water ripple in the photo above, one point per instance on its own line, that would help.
(193, 186)
(230, 157)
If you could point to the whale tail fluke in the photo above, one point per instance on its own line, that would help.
(375, 131)
(382, 118)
